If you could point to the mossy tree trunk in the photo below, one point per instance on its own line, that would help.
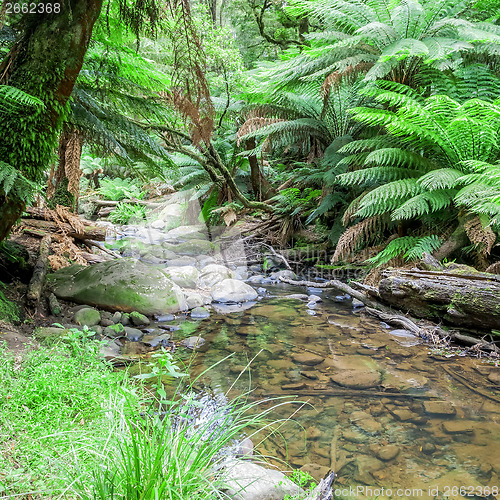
(45, 63)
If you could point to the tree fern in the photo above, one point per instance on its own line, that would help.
(410, 247)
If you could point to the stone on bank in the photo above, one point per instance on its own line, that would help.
(121, 285)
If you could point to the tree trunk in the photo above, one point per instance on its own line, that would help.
(44, 63)
(469, 300)
(456, 241)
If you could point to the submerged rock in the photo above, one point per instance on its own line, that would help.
(357, 379)
(193, 342)
(122, 284)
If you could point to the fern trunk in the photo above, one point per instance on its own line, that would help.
(44, 63)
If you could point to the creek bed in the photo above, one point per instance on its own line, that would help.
(382, 410)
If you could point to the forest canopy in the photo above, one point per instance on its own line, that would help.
(373, 123)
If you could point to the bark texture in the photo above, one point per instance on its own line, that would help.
(45, 63)
(469, 300)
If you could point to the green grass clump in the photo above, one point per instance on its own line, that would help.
(52, 408)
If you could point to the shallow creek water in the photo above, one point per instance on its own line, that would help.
(394, 416)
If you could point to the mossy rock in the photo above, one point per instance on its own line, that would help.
(87, 316)
(191, 247)
(119, 285)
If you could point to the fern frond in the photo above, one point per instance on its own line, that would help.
(359, 234)
(411, 247)
(388, 197)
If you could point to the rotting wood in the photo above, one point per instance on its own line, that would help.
(461, 299)
(37, 281)
(90, 232)
(54, 306)
(101, 247)
(44, 214)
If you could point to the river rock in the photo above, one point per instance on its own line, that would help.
(133, 334)
(194, 342)
(494, 376)
(357, 303)
(357, 379)
(113, 331)
(156, 340)
(191, 247)
(49, 332)
(354, 436)
(121, 284)
(87, 317)
(184, 276)
(110, 349)
(138, 319)
(187, 233)
(307, 358)
(387, 453)
(158, 224)
(117, 317)
(284, 273)
(214, 273)
(445, 408)
(458, 427)
(245, 448)
(194, 300)
(200, 313)
(249, 481)
(230, 290)
(318, 472)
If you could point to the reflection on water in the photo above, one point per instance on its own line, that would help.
(385, 413)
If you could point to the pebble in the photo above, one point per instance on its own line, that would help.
(194, 342)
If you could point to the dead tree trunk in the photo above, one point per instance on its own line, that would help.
(469, 300)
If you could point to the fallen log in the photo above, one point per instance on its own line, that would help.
(132, 201)
(469, 300)
(37, 281)
(386, 314)
(89, 232)
(46, 214)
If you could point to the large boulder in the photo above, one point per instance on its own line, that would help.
(230, 290)
(120, 285)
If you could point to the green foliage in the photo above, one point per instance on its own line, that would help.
(291, 201)
(14, 184)
(410, 247)
(15, 101)
(384, 40)
(51, 404)
(442, 145)
(120, 189)
(9, 311)
(127, 213)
